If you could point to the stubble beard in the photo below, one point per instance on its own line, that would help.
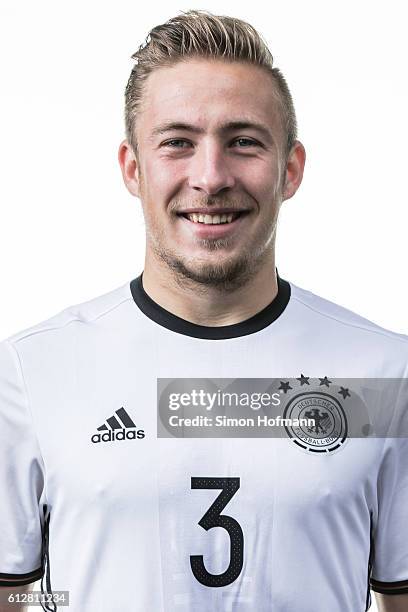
(229, 274)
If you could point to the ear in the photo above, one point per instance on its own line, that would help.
(294, 170)
(129, 166)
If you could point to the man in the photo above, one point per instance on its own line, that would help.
(97, 496)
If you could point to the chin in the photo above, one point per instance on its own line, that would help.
(226, 275)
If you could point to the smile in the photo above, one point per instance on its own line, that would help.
(214, 219)
(215, 225)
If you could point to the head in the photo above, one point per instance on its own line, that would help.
(210, 129)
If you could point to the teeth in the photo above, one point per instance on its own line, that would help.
(210, 219)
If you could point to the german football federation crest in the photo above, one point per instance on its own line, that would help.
(322, 420)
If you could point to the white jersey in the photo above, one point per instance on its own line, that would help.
(96, 503)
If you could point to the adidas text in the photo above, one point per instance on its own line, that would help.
(122, 434)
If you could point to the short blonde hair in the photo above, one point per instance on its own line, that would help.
(201, 34)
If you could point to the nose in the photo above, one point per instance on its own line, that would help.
(210, 170)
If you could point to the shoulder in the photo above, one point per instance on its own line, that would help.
(81, 314)
(339, 316)
(349, 333)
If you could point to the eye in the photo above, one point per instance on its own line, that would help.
(176, 143)
(246, 142)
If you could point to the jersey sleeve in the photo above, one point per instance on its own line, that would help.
(389, 572)
(21, 478)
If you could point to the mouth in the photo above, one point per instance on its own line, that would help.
(214, 224)
(214, 218)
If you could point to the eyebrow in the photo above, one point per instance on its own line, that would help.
(230, 126)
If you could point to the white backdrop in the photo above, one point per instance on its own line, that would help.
(71, 231)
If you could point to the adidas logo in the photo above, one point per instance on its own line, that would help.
(120, 427)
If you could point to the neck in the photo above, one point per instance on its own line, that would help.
(208, 305)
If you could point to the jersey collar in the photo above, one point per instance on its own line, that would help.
(167, 319)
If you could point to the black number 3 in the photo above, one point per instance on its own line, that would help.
(214, 518)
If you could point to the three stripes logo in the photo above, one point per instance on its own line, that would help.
(119, 427)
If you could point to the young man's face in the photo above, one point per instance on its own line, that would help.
(210, 138)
